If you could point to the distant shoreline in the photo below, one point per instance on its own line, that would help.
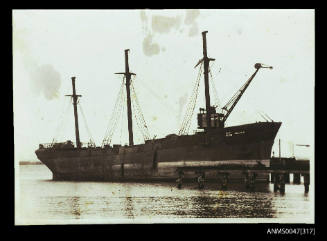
(30, 163)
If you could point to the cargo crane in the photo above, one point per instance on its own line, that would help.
(208, 118)
(237, 96)
(219, 119)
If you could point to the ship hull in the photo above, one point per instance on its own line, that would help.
(242, 146)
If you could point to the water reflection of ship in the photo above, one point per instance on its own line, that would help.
(128, 203)
(228, 205)
(75, 207)
(212, 145)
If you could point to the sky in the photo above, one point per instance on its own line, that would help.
(51, 46)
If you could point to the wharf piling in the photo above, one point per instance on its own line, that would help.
(282, 183)
(287, 178)
(306, 178)
(179, 180)
(225, 181)
(286, 166)
(272, 177)
(275, 183)
(279, 170)
(296, 178)
(250, 180)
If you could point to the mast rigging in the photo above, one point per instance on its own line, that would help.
(140, 121)
(91, 143)
(128, 75)
(133, 108)
(115, 115)
(206, 61)
(191, 105)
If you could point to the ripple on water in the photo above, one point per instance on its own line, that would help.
(41, 199)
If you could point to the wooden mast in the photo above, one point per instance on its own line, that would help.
(206, 61)
(75, 98)
(129, 107)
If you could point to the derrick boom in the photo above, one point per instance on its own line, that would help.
(237, 96)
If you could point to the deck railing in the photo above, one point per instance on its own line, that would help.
(65, 145)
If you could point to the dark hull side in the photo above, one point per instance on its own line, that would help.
(245, 145)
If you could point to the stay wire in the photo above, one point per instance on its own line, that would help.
(62, 122)
(144, 126)
(114, 117)
(191, 105)
(86, 125)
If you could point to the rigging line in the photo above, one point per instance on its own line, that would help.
(111, 130)
(114, 116)
(62, 114)
(117, 106)
(85, 123)
(122, 116)
(115, 122)
(265, 114)
(160, 99)
(139, 125)
(191, 104)
(138, 121)
(212, 71)
(117, 115)
(61, 121)
(138, 107)
(211, 64)
(212, 84)
(118, 112)
(215, 71)
(135, 111)
(60, 127)
(64, 126)
(216, 96)
(183, 129)
(262, 116)
(140, 117)
(188, 108)
(269, 117)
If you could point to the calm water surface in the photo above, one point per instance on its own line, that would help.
(39, 200)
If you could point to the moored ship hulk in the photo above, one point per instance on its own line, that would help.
(213, 145)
